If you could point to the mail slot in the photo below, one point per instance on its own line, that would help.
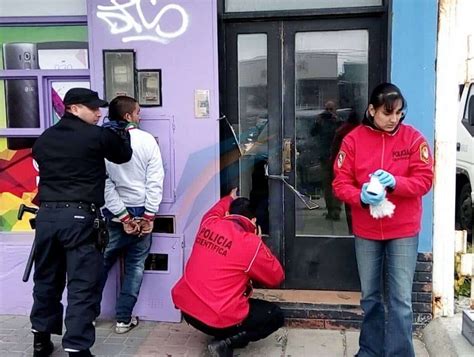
(157, 262)
(164, 224)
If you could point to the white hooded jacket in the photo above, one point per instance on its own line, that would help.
(139, 182)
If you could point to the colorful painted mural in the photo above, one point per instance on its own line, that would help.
(18, 184)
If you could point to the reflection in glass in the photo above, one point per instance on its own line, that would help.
(20, 109)
(119, 73)
(267, 5)
(62, 48)
(331, 85)
(253, 119)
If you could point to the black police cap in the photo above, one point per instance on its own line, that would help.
(84, 96)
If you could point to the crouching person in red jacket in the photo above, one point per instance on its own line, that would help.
(214, 292)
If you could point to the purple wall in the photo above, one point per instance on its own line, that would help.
(190, 145)
(188, 62)
(16, 296)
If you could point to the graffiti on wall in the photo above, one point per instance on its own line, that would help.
(127, 19)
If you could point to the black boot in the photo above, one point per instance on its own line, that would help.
(42, 345)
(220, 348)
(239, 340)
(84, 353)
(225, 348)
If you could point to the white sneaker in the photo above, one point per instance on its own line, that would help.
(122, 327)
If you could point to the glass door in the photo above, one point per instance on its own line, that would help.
(294, 89)
(253, 102)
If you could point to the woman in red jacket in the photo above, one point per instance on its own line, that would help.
(399, 156)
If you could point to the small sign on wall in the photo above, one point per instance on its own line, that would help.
(119, 70)
(149, 87)
(201, 103)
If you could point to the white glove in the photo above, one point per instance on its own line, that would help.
(384, 208)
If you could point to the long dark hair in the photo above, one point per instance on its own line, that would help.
(387, 95)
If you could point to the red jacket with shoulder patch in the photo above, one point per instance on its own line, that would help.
(406, 155)
(226, 256)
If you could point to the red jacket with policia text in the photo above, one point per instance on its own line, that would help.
(406, 155)
(226, 255)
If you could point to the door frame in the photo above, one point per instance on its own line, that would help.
(375, 20)
(274, 104)
(376, 71)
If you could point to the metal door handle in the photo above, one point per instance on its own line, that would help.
(307, 201)
(286, 157)
(278, 177)
(458, 146)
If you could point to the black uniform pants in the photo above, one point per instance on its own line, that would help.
(263, 319)
(66, 248)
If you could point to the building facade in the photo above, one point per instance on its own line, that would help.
(231, 90)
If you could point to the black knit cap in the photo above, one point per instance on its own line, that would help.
(84, 96)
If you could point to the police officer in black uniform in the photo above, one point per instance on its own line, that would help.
(70, 156)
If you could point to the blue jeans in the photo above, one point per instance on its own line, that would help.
(135, 251)
(399, 257)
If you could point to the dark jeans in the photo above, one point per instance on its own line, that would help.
(333, 205)
(391, 336)
(135, 250)
(65, 247)
(263, 319)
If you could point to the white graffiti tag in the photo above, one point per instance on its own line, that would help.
(121, 21)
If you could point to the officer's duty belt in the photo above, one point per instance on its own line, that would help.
(80, 205)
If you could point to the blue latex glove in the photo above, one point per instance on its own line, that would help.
(370, 198)
(385, 178)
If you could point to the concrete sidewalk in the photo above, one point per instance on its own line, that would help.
(152, 339)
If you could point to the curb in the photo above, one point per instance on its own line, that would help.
(443, 338)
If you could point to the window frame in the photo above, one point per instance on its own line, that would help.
(44, 79)
(42, 76)
(470, 93)
(322, 9)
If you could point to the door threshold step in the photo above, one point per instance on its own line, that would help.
(309, 296)
(316, 309)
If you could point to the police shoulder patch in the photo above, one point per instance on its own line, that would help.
(424, 153)
(340, 158)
